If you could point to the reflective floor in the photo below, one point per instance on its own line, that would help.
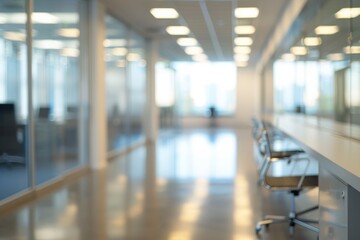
(193, 185)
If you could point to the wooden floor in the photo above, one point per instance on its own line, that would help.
(192, 185)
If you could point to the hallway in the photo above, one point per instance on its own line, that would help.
(195, 184)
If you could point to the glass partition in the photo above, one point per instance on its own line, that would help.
(324, 58)
(14, 162)
(117, 93)
(136, 71)
(56, 87)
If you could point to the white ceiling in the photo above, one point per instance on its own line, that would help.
(211, 22)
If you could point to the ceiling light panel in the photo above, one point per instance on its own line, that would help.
(288, 57)
(193, 50)
(335, 57)
(300, 51)
(312, 41)
(326, 30)
(15, 36)
(242, 49)
(241, 57)
(44, 18)
(247, 12)
(177, 30)
(241, 64)
(185, 42)
(68, 32)
(346, 13)
(119, 51)
(70, 52)
(246, 29)
(352, 50)
(115, 42)
(243, 41)
(164, 13)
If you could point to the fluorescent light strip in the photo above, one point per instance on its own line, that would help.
(133, 57)
(15, 36)
(193, 50)
(335, 57)
(346, 13)
(245, 29)
(299, 50)
(68, 32)
(164, 13)
(241, 64)
(44, 18)
(326, 30)
(352, 50)
(177, 30)
(288, 57)
(186, 42)
(243, 41)
(243, 50)
(247, 12)
(312, 41)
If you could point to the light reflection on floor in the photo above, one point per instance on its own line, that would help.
(197, 185)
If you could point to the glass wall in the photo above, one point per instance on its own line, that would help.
(116, 49)
(55, 91)
(318, 74)
(137, 86)
(125, 85)
(14, 162)
(56, 87)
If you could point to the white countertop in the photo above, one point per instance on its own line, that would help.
(339, 154)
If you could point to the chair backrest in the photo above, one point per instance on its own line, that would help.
(266, 141)
(8, 128)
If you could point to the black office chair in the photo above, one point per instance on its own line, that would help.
(11, 151)
(294, 184)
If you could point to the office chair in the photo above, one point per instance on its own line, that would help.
(280, 144)
(294, 184)
(11, 151)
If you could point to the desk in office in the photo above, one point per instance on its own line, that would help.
(339, 165)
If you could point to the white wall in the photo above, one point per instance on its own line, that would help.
(248, 103)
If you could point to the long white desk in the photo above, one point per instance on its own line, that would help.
(339, 177)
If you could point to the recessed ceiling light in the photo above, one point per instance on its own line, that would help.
(119, 51)
(243, 41)
(185, 42)
(335, 57)
(326, 30)
(15, 36)
(299, 50)
(115, 42)
(177, 30)
(193, 50)
(44, 18)
(200, 57)
(164, 13)
(288, 57)
(247, 12)
(245, 29)
(352, 50)
(68, 32)
(243, 50)
(70, 52)
(348, 13)
(241, 57)
(312, 41)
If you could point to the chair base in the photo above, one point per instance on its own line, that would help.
(292, 219)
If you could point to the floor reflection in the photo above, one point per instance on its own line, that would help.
(194, 185)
